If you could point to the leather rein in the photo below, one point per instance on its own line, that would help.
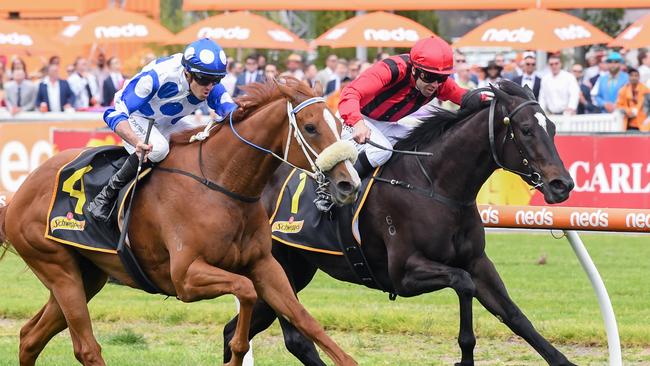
(533, 176)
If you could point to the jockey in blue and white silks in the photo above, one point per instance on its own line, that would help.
(166, 90)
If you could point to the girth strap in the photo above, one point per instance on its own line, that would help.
(212, 185)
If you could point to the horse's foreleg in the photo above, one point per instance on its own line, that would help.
(263, 316)
(492, 293)
(203, 281)
(273, 286)
(422, 275)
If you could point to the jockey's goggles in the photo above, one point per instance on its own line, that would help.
(430, 77)
(205, 80)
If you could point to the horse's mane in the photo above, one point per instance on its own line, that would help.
(442, 120)
(435, 126)
(257, 96)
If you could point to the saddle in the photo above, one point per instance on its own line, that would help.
(77, 183)
(297, 222)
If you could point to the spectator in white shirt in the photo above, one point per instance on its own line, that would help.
(644, 66)
(325, 75)
(559, 93)
(84, 85)
(54, 94)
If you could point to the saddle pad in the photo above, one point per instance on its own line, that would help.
(297, 222)
(76, 184)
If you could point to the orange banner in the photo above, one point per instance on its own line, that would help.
(26, 145)
(566, 218)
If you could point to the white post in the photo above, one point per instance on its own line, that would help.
(248, 358)
(606, 309)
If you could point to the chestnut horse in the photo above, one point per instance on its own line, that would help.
(420, 228)
(192, 242)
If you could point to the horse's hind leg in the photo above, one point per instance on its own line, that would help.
(50, 320)
(58, 268)
(491, 292)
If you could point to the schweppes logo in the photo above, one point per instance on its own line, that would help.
(67, 223)
(288, 227)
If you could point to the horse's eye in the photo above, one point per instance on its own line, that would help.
(309, 128)
(527, 131)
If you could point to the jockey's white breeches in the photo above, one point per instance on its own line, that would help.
(382, 133)
(159, 138)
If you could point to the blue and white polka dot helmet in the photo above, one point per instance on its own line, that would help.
(205, 56)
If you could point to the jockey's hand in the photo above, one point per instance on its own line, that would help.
(142, 148)
(361, 132)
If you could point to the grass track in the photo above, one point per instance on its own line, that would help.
(138, 329)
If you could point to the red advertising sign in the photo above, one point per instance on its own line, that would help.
(608, 171)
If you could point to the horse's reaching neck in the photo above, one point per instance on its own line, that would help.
(463, 161)
(242, 168)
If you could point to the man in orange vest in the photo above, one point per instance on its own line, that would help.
(631, 99)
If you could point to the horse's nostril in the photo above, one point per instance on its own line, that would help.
(558, 185)
(344, 187)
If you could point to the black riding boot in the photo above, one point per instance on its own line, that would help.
(101, 206)
(362, 166)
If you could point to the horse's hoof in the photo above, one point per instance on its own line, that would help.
(464, 363)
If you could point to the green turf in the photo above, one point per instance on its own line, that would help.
(139, 329)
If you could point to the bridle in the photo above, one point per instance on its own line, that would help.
(534, 178)
(316, 160)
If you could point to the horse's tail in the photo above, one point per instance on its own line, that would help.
(3, 237)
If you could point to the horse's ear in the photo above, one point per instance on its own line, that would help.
(285, 89)
(318, 88)
(529, 92)
(501, 96)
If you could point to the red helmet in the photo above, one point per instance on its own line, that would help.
(433, 54)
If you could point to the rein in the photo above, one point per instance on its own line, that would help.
(302, 142)
(534, 177)
(316, 172)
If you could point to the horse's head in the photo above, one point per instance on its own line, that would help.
(314, 140)
(527, 144)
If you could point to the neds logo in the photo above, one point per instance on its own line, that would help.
(637, 220)
(224, 33)
(397, 34)
(16, 39)
(534, 217)
(489, 216)
(572, 32)
(125, 31)
(584, 219)
(521, 35)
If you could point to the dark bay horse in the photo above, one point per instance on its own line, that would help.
(417, 242)
(193, 242)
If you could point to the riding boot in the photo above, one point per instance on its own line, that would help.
(362, 166)
(102, 205)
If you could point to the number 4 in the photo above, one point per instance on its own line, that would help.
(79, 194)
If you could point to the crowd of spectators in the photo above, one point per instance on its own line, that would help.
(604, 85)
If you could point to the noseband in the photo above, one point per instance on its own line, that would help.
(315, 159)
(533, 176)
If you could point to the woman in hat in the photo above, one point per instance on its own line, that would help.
(492, 74)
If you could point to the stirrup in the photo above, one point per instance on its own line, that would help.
(323, 200)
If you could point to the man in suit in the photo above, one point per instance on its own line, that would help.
(113, 81)
(250, 75)
(528, 77)
(20, 94)
(54, 94)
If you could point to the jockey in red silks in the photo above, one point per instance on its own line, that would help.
(374, 105)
